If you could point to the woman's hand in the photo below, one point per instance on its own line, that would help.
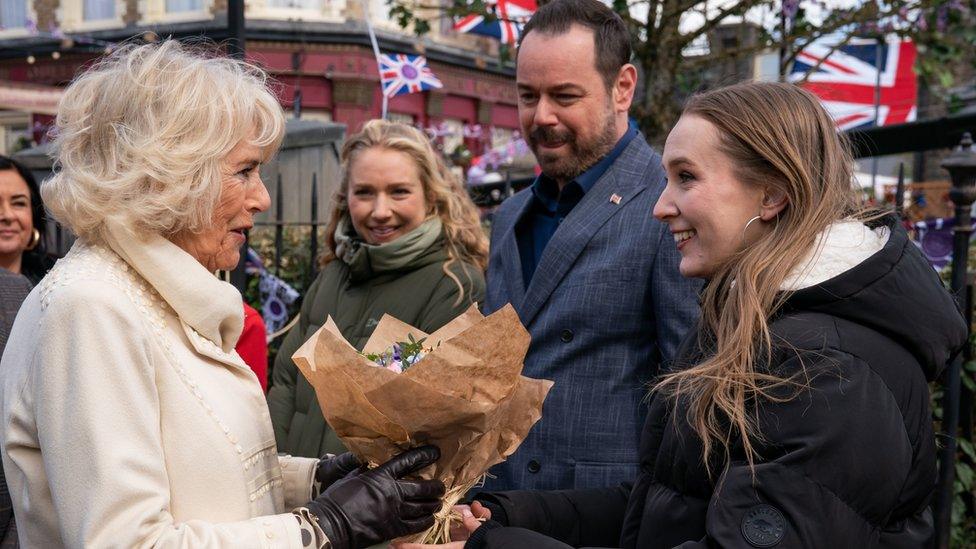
(471, 519)
(333, 468)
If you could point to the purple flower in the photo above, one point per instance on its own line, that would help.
(790, 8)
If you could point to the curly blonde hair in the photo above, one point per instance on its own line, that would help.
(444, 193)
(141, 134)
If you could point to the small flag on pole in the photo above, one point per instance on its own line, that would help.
(403, 73)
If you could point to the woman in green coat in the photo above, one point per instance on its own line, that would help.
(405, 240)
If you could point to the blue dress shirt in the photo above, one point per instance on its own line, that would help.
(550, 206)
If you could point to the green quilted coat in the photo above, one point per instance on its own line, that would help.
(420, 294)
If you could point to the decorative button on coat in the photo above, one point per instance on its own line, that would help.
(763, 526)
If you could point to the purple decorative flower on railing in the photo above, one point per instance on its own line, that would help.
(934, 238)
(790, 9)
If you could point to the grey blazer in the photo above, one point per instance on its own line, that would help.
(606, 305)
(13, 290)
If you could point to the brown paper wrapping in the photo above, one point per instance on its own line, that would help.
(467, 396)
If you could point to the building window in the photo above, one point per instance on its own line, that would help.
(13, 14)
(89, 15)
(401, 118)
(98, 10)
(300, 10)
(298, 4)
(181, 6)
(152, 12)
(454, 136)
(15, 131)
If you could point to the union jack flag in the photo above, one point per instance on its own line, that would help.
(401, 73)
(845, 81)
(506, 26)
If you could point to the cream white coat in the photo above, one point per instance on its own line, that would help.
(128, 420)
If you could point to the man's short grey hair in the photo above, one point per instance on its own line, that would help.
(140, 135)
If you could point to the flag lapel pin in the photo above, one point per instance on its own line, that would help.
(615, 198)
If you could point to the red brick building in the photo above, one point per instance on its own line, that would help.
(320, 47)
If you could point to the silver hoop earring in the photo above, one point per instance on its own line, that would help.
(746, 228)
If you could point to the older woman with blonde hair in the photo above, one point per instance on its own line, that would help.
(126, 417)
(405, 240)
(797, 414)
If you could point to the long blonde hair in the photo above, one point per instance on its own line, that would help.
(444, 193)
(780, 138)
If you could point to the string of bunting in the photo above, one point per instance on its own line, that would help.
(276, 295)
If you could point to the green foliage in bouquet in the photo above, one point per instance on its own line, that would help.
(401, 355)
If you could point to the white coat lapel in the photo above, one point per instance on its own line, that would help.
(209, 349)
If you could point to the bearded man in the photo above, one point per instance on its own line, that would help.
(593, 276)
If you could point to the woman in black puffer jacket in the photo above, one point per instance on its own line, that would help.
(797, 414)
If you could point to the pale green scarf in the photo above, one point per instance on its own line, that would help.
(364, 258)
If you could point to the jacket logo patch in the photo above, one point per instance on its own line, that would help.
(763, 526)
(371, 323)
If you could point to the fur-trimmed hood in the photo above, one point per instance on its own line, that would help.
(875, 276)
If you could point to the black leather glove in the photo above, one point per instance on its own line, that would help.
(365, 509)
(331, 469)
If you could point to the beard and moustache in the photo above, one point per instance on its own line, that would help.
(582, 154)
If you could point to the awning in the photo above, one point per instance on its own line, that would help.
(32, 98)
(923, 135)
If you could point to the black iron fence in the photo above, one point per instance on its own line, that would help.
(279, 225)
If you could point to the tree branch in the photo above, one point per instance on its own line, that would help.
(418, 5)
(800, 41)
(688, 5)
(820, 62)
(731, 53)
(737, 8)
(653, 15)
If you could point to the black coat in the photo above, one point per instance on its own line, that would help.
(848, 462)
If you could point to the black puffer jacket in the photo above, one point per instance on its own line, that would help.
(849, 462)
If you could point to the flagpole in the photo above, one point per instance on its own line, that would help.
(782, 43)
(877, 109)
(376, 52)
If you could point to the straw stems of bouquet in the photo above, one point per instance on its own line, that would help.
(440, 532)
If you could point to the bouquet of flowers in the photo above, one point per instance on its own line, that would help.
(402, 355)
(467, 395)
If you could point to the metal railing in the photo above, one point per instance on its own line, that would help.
(279, 227)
